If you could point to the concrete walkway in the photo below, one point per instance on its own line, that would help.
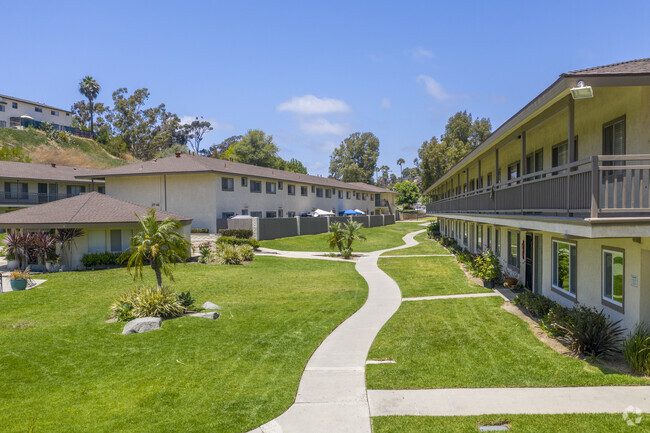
(486, 401)
(332, 393)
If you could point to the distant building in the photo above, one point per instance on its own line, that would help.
(17, 113)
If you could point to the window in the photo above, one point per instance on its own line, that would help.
(14, 105)
(256, 214)
(116, 241)
(244, 211)
(303, 191)
(271, 214)
(613, 276)
(358, 196)
(513, 170)
(464, 233)
(101, 190)
(347, 195)
(564, 267)
(280, 185)
(534, 162)
(513, 249)
(227, 184)
(270, 188)
(313, 189)
(226, 215)
(319, 192)
(291, 214)
(479, 237)
(372, 197)
(2, 108)
(614, 137)
(54, 113)
(16, 190)
(497, 241)
(363, 196)
(489, 179)
(340, 194)
(256, 186)
(291, 189)
(38, 109)
(280, 213)
(244, 181)
(73, 190)
(328, 193)
(560, 155)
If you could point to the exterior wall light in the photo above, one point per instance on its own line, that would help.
(581, 91)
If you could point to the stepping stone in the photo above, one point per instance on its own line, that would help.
(143, 324)
(209, 315)
(210, 306)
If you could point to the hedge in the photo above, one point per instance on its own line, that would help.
(101, 259)
(237, 233)
(234, 241)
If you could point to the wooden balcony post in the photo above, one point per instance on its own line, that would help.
(522, 171)
(572, 151)
(496, 176)
(595, 186)
(480, 179)
(467, 188)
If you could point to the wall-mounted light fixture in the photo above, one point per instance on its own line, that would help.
(581, 91)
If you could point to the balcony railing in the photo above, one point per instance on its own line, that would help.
(24, 198)
(599, 186)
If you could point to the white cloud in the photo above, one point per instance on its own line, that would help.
(216, 125)
(310, 104)
(420, 53)
(433, 88)
(385, 103)
(321, 126)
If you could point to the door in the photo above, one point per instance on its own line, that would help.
(42, 192)
(54, 191)
(529, 261)
(537, 261)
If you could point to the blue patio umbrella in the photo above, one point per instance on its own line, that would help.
(351, 212)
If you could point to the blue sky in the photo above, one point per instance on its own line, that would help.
(309, 73)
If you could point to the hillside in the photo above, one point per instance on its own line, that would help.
(83, 152)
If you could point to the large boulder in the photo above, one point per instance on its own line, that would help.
(143, 324)
(210, 306)
(208, 315)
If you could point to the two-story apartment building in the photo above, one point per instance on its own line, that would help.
(208, 190)
(25, 184)
(560, 192)
(15, 111)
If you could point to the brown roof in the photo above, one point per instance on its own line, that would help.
(28, 171)
(93, 209)
(33, 103)
(371, 188)
(200, 164)
(632, 67)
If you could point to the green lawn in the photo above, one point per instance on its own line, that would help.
(425, 246)
(379, 238)
(428, 276)
(565, 423)
(63, 369)
(471, 342)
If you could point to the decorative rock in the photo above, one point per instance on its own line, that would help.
(210, 306)
(143, 324)
(209, 315)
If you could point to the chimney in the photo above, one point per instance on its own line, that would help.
(53, 165)
(178, 154)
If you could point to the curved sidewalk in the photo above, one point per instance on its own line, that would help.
(332, 395)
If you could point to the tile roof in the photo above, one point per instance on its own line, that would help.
(85, 209)
(26, 101)
(29, 171)
(631, 67)
(201, 164)
(371, 188)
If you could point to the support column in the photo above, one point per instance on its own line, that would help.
(522, 170)
(571, 150)
(480, 179)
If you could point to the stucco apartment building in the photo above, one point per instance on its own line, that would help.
(560, 192)
(12, 110)
(25, 184)
(211, 190)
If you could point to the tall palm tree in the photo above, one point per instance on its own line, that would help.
(160, 243)
(90, 89)
(400, 162)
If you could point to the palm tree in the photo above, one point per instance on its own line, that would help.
(336, 236)
(66, 238)
(90, 89)
(160, 243)
(400, 162)
(351, 233)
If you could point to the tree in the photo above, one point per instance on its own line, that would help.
(158, 243)
(195, 131)
(336, 236)
(408, 194)
(401, 162)
(355, 160)
(82, 116)
(17, 154)
(296, 166)
(145, 132)
(66, 238)
(351, 233)
(256, 148)
(90, 89)
(218, 150)
(384, 174)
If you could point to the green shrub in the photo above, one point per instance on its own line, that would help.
(553, 321)
(537, 305)
(487, 266)
(234, 241)
(186, 300)
(246, 252)
(636, 349)
(228, 254)
(433, 230)
(237, 233)
(197, 230)
(148, 302)
(101, 259)
(206, 253)
(591, 332)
